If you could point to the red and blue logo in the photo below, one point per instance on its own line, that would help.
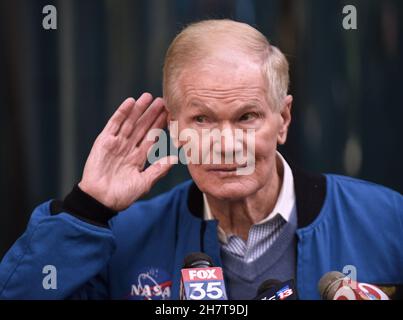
(203, 284)
(151, 284)
(284, 292)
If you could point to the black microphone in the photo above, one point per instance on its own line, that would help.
(273, 289)
(269, 284)
(197, 260)
(335, 285)
(201, 280)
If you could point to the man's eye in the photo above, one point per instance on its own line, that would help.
(247, 116)
(200, 119)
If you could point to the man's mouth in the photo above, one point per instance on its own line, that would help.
(225, 168)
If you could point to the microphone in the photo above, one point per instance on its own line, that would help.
(273, 289)
(335, 285)
(201, 280)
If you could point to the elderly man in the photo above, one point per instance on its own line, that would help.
(275, 222)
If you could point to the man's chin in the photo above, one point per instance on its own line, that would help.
(230, 191)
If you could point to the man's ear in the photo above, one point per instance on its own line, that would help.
(170, 116)
(172, 125)
(285, 115)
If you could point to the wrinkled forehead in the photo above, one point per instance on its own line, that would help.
(222, 74)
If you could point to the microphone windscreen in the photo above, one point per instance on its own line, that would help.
(197, 260)
(326, 282)
(270, 283)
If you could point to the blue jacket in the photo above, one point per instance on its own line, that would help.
(341, 221)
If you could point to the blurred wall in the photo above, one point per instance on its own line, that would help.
(59, 87)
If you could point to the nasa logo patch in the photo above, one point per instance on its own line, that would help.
(151, 284)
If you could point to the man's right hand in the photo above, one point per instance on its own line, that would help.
(114, 172)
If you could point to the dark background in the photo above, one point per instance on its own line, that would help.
(59, 87)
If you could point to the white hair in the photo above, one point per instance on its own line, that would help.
(194, 42)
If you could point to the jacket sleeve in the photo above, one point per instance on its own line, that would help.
(59, 256)
(399, 212)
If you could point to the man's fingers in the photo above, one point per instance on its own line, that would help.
(120, 115)
(145, 122)
(158, 169)
(150, 138)
(140, 107)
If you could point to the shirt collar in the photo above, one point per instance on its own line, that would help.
(286, 198)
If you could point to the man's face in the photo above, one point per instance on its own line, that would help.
(229, 94)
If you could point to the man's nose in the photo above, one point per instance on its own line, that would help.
(231, 141)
